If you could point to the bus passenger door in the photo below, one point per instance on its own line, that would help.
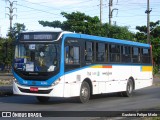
(72, 60)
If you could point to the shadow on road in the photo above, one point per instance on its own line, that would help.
(59, 100)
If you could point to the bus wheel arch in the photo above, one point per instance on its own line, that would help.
(85, 91)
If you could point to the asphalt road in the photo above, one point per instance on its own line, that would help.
(144, 99)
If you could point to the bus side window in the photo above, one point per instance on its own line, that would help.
(125, 54)
(136, 55)
(72, 55)
(89, 51)
(146, 55)
(114, 53)
(100, 52)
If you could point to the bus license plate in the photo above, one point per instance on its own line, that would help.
(34, 89)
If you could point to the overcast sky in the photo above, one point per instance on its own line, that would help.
(130, 13)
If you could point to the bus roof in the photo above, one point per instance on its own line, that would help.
(97, 38)
(110, 40)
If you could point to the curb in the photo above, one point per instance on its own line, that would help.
(6, 74)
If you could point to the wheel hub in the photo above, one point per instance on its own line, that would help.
(84, 92)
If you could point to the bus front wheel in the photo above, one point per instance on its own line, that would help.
(84, 92)
(42, 99)
(129, 89)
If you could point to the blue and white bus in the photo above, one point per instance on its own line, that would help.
(65, 64)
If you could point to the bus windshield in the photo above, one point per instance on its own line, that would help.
(36, 57)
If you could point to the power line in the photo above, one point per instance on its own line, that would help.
(56, 8)
(38, 9)
(41, 5)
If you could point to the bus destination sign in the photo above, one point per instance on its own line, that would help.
(38, 36)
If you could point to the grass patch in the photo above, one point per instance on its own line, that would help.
(157, 75)
(157, 84)
(5, 82)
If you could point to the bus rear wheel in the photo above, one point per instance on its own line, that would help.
(129, 89)
(84, 92)
(42, 99)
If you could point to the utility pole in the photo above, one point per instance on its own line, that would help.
(10, 14)
(0, 33)
(110, 5)
(148, 22)
(101, 3)
(111, 11)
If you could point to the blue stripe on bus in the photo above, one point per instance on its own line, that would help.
(104, 39)
(112, 40)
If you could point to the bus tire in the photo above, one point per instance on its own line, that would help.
(42, 99)
(129, 89)
(84, 92)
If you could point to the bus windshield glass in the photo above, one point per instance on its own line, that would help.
(36, 57)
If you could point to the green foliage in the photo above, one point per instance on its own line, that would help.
(16, 29)
(53, 24)
(7, 44)
(155, 70)
(156, 49)
(2, 50)
(80, 23)
(142, 34)
(6, 51)
(155, 41)
(120, 33)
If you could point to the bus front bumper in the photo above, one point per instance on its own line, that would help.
(52, 91)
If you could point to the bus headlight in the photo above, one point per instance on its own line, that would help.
(15, 80)
(56, 82)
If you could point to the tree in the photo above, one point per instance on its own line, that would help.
(154, 31)
(120, 33)
(155, 40)
(2, 50)
(76, 22)
(17, 28)
(80, 23)
(7, 44)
